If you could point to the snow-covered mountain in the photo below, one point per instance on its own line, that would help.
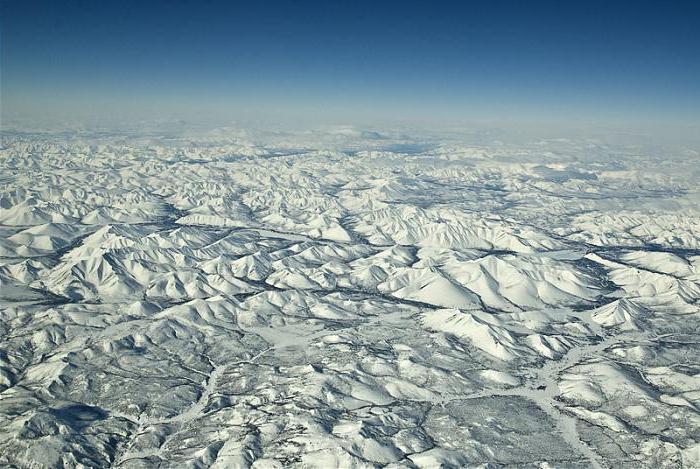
(347, 298)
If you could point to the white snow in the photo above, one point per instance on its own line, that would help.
(244, 298)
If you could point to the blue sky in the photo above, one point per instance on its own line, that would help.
(353, 61)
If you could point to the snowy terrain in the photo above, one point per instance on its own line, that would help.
(347, 298)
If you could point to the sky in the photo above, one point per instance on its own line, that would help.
(352, 61)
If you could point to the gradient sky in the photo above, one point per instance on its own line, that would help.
(352, 60)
